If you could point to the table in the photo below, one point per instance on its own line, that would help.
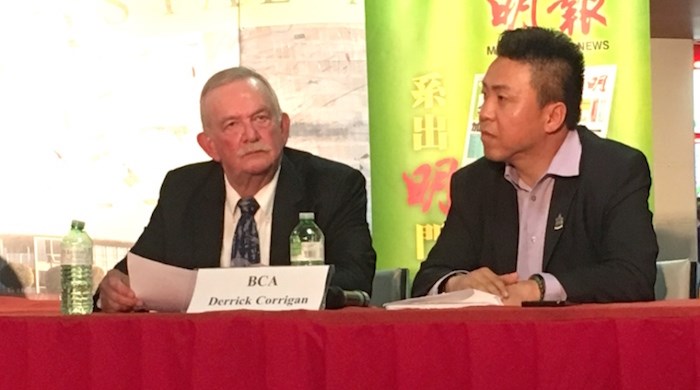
(651, 345)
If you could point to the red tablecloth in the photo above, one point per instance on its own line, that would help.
(616, 346)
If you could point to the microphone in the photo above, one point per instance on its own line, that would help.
(337, 298)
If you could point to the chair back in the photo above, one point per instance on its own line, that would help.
(389, 285)
(672, 279)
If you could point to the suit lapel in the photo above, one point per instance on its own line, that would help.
(562, 196)
(285, 214)
(207, 215)
(565, 189)
(504, 228)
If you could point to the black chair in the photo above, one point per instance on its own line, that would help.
(389, 285)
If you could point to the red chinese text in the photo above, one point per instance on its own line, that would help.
(588, 10)
(507, 12)
(597, 83)
(426, 181)
(519, 13)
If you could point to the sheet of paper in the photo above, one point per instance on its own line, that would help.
(456, 299)
(161, 287)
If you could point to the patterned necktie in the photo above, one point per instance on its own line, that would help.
(246, 244)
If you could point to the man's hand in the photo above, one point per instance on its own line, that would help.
(482, 279)
(524, 290)
(115, 293)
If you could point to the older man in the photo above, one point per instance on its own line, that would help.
(254, 181)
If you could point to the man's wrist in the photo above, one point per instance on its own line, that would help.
(539, 280)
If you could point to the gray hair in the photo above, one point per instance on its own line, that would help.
(230, 75)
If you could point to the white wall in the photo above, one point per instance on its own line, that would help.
(673, 150)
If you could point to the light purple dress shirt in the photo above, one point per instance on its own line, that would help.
(533, 209)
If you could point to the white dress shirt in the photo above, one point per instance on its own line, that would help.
(263, 219)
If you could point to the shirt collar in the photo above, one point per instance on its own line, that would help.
(566, 161)
(265, 197)
(568, 158)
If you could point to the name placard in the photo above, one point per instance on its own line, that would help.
(260, 288)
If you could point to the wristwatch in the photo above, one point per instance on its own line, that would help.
(540, 284)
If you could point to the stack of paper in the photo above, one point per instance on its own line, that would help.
(462, 298)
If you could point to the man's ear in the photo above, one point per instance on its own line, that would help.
(285, 123)
(208, 146)
(555, 116)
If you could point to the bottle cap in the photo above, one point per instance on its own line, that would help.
(306, 215)
(75, 224)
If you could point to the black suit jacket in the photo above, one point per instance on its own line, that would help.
(606, 250)
(186, 228)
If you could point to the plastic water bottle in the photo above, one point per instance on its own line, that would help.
(76, 270)
(306, 242)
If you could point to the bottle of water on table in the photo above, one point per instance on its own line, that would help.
(306, 242)
(76, 270)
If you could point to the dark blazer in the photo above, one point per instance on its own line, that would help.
(186, 228)
(606, 250)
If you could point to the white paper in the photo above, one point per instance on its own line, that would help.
(167, 288)
(260, 288)
(456, 299)
(161, 287)
(597, 98)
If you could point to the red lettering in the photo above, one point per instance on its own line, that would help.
(426, 181)
(589, 10)
(506, 12)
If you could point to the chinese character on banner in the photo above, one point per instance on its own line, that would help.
(597, 83)
(428, 180)
(507, 12)
(424, 233)
(428, 91)
(429, 132)
(587, 11)
(597, 97)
